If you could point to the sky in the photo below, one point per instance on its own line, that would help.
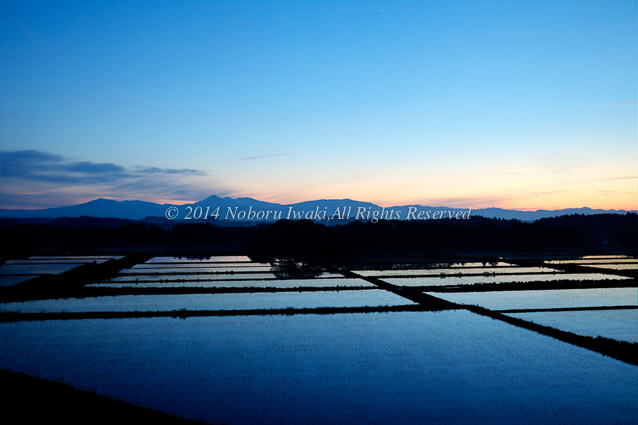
(513, 104)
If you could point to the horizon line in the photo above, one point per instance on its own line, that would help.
(184, 203)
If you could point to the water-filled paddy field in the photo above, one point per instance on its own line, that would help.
(16, 271)
(242, 283)
(559, 298)
(619, 324)
(436, 363)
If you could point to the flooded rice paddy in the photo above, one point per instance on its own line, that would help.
(422, 362)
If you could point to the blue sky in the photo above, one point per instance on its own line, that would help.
(515, 104)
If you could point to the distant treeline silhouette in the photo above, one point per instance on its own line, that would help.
(304, 238)
(307, 239)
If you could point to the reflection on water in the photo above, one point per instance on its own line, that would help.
(200, 265)
(291, 269)
(457, 271)
(264, 283)
(448, 367)
(514, 278)
(226, 301)
(431, 266)
(614, 266)
(621, 325)
(172, 277)
(594, 261)
(550, 298)
(195, 270)
(13, 272)
(417, 367)
(200, 259)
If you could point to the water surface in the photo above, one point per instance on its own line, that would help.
(273, 283)
(555, 298)
(226, 301)
(457, 271)
(621, 325)
(523, 278)
(405, 368)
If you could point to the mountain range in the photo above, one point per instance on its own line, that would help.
(247, 209)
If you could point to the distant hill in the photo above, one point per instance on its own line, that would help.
(97, 208)
(226, 210)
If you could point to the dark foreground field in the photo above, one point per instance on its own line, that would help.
(31, 400)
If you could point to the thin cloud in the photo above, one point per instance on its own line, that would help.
(183, 171)
(604, 179)
(37, 165)
(36, 179)
(272, 155)
(551, 192)
(608, 179)
(43, 166)
(614, 192)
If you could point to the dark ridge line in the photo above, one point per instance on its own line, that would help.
(484, 274)
(195, 273)
(590, 261)
(155, 266)
(422, 267)
(531, 286)
(220, 280)
(558, 309)
(173, 266)
(425, 300)
(183, 314)
(620, 350)
(185, 280)
(633, 262)
(90, 292)
(383, 267)
(48, 255)
(57, 263)
(218, 263)
(71, 281)
(627, 273)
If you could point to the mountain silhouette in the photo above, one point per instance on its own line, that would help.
(238, 209)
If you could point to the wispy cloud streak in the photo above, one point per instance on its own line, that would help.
(254, 158)
(35, 179)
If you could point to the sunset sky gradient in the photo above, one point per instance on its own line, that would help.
(513, 104)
